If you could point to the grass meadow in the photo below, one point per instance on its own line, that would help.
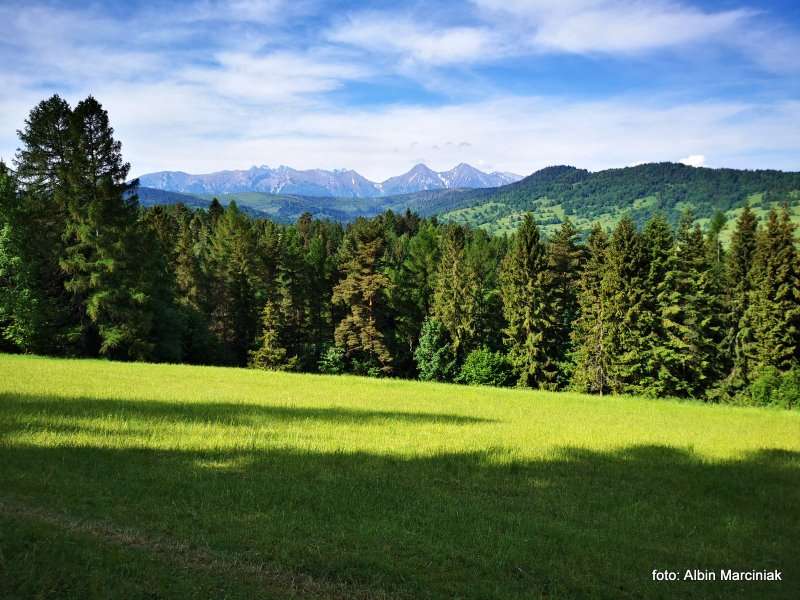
(157, 481)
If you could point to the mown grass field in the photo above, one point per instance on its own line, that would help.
(155, 481)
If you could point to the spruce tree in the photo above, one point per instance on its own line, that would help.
(456, 302)
(528, 306)
(773, 315)
(362, 290)
(565, 261)
(689, 319)
(738, 335)
(46, 321)
(104, 240)
(630, 320)
(590, 334)
(660, 298)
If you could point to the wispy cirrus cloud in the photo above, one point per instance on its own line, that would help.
(414, 41)
(611, 26)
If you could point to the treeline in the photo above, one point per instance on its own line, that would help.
(657, 310)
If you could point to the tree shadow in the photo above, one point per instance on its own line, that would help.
(579, 524)
(23, 406)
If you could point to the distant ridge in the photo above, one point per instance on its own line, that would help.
(551, 194)
(339, 183)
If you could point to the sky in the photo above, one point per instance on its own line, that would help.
(507, 85)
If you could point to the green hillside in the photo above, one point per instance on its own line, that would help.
(121, 479)
(604, 196)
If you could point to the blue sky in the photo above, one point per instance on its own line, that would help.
(510, 85)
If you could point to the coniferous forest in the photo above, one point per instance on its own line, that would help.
(663, 310)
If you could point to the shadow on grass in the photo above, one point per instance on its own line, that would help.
(213, 412)
(581, 524)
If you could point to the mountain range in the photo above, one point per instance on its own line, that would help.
(339, 183)
(551, 194)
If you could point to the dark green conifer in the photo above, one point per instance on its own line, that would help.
(456, 304)
(773, 315)
(565, 261)
(630, 316)
(104, 241)
(528, 304)
(738, 335)
(590, 334)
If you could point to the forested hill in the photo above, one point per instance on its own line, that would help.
(557, 192)
(551, 194)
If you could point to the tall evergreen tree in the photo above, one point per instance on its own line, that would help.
(590, 335)
(528, 305)
(689, 319)
(738, 335)
(773, 314)
(659, 297)
(630, 314)
(292, 285)
(363, 290)
(234, 315)
(44, 321)
(456, 299)
(413, 274)
(320, 259)
(565, 261)
(104, 240)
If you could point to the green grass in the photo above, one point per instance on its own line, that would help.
(158, 481)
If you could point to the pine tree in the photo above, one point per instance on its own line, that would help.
(528, 306)
(774, 311)
(738, 335)
(362, 289)
(590, 335)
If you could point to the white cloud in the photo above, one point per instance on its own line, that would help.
(414, 41)
(273, 77)
(611, 26)
(694, 160)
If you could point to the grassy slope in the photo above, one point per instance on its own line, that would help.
(127, 479)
